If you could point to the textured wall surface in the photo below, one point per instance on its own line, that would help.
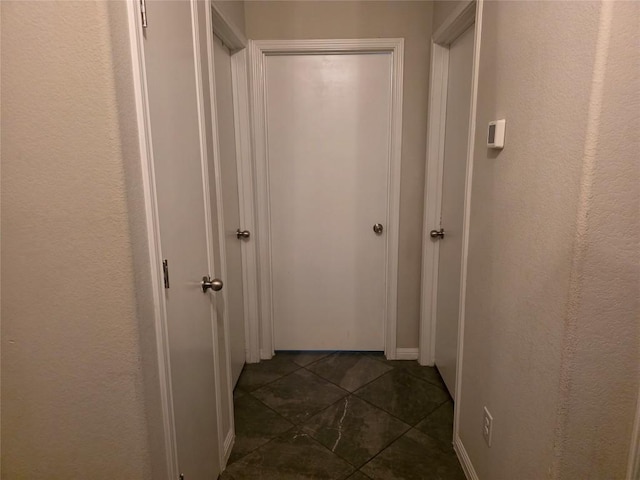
(600, 369)
(72, 401)
(551, 328)
(357, 19)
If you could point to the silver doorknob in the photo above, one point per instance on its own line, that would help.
(215, 284)
(437, 233)
(378, 228)
(243, 234)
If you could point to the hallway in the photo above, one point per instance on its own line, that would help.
(318, 415)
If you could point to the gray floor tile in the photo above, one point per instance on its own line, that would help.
(414, 456)
(256, 375)
(302, 358)
(430, 374)
(439, 426)
(299, 396)
(255, 424)
(354, 429)
(349, 370)
(292, 456)
(404, 396)
(358, 476)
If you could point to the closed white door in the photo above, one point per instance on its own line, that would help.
(451, 221)
(230, 202)
(178, 165)
(328, 133)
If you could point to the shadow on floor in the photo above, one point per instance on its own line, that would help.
(326, 415)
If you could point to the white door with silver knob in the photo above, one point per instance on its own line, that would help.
(449, 235)
(234, 234)
(184, 223)
(328, 127)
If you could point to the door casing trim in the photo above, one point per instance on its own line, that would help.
(259, 50)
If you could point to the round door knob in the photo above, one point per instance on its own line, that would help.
(437, 234)
(215, 284)
(243, 234)
(378, 228)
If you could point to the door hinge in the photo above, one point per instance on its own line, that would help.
(165, 272)
(143, 13)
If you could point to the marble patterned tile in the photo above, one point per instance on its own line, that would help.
(349, 370)
(403, 395)
(303, 358)
(255, 425)
(414, 456)
(354, 429)
(430, 374)
(255, 375)
(291, 456)
(358, 476)
(299, 396)
(439, 426)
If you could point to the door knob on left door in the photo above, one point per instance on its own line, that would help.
(378, 228)
(243, 234)
(215, 284)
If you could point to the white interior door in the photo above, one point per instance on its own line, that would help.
(178, 164)
(328, 135)
(451, 220)
(230, 202)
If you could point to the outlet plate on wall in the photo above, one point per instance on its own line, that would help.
(487, 426)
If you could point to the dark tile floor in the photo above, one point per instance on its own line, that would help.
(323, 415)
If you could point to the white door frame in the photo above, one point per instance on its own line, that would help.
(259, 50)
(456, 23)
(214, 19)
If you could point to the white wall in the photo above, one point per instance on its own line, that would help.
(362, 19)
(75, 335)
(551, 328)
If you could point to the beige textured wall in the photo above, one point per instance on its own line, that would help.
(234, 11)
(72, 401)
(358, 19)
(551, 329)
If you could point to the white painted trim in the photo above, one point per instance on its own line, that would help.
(465, 230)
(258, 51)
(222, 268)
(229, 441)
(454, 26)
(465, 461)
(242, 115)
(633, 467)
(406, 353)
(153, 233)
(228, 32)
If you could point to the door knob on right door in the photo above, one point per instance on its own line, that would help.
(378, 228)
(437, 234)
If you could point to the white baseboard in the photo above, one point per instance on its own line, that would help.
(465, 461)
(228, 445)
(407, 353)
